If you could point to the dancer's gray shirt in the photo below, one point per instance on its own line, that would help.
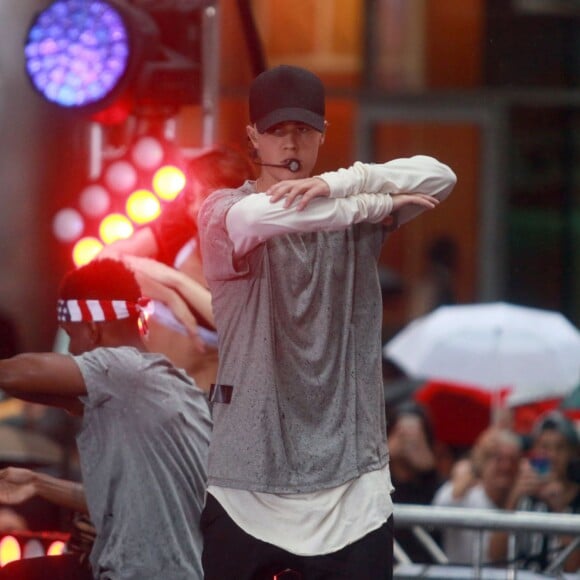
(298, 308)
(307, 410)
(143, 452)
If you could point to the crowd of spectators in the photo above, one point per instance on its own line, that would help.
(535, 471)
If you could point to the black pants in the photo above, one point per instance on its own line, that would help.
(231, 554)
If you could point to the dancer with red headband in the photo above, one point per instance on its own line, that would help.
(142, 445)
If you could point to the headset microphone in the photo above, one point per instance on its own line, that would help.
(292, 164)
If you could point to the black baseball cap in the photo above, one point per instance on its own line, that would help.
(287, 93)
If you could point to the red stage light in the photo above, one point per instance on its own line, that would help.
(131, 189)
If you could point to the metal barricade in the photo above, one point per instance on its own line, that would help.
(423, 517)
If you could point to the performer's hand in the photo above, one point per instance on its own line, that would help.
(16, 485)
(422, 200)
(175, 302)
(83, 535)
(183, 290)
(304, 190)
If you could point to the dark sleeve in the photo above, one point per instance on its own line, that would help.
(173, 229)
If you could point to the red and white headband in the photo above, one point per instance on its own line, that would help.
(102, 310)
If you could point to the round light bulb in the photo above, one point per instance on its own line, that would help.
(142, 206)
(168, 182)
(85, 250)
(147, 153)
(94, 200)
(115, 227)
(121, 177)
(68, 225)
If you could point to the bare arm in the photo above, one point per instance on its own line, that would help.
(18, 485)
(46, 378)
(193, 292)
(463, 478)
(175, 302)
(141, 243)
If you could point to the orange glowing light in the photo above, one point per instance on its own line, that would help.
(142, 206)
(85, 250)
(168, 182)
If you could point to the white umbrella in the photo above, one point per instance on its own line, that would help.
(492, 345)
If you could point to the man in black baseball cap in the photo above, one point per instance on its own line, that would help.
(287, 116)
(298, 477)
(287, 93)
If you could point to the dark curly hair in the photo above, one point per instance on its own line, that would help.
(101, 279)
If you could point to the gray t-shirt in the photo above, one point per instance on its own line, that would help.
(299, 325)
(143, 450)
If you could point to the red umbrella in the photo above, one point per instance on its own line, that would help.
(459, 412)
(524, 416)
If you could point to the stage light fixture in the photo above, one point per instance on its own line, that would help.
(131, 190)
(81, 54)
(27, 544)
(94, 55)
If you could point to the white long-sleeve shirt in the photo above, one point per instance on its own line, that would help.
(360, 193)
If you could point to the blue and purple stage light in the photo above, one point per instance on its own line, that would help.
(77, 52)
